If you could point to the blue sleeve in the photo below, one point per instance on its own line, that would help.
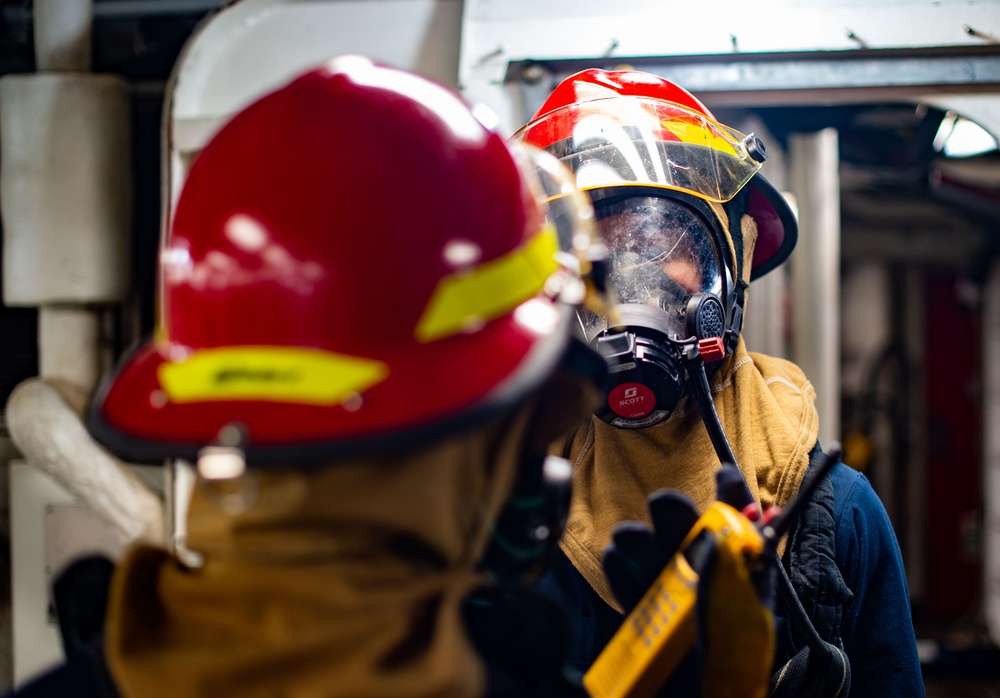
(878, 630)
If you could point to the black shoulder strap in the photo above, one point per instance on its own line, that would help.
(812, 558)
(815, 599)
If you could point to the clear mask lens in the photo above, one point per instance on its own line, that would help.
(660, 253)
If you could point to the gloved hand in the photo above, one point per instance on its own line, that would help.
(734, 627)
(637, 555)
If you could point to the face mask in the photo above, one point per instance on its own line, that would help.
(675, 302)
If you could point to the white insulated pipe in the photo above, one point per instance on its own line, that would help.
(815, 271)
(62, 31)
(65, 188)
(69, 342)
(66, 202)
(45, 424)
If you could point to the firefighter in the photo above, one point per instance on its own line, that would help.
(364, 348)
(689, 222)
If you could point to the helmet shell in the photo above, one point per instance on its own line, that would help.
(564, 125)
(352, 256)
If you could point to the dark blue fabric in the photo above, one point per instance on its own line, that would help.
(76, 678)
(877, 630)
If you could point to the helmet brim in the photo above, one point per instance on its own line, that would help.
(126, 417)
(777, 228)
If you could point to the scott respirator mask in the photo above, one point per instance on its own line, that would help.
(676, 300)
(666, 180)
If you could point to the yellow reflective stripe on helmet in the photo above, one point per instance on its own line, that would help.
(280, 374)
(699, 133)
(472, 296)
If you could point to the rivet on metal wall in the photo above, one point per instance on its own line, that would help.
(849, 33)
(985, 36)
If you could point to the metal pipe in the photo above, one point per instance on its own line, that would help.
(62, 31)
(44, 419)
(67, 214)
(815, 268)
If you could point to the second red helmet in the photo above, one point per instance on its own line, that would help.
(632, 128)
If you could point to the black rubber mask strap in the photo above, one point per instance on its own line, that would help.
(735, 208)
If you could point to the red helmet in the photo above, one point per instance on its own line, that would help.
(354, 256)
(631, 128)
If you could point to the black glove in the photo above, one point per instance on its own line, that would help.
(637, 555)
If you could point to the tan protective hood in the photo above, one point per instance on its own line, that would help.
(342, 581)
(766, 406)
